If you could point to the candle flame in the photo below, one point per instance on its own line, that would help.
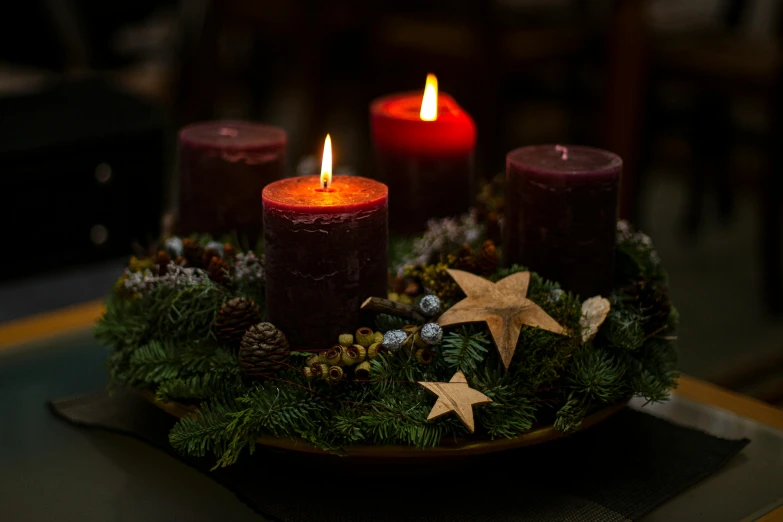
(429, 102)
(326, 164)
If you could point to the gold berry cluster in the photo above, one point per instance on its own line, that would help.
(353, 351)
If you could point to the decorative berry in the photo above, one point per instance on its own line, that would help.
(334, 375)
(333, 355)
(352, 355)
(378, 338)
(430, 305)
(362, 371)
(431, 333)
(394, 339)
(372, 351)
(424, 356)
(365, 336)
(345, 339)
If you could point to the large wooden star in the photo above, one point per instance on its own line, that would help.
(502, 305)
(456, 396)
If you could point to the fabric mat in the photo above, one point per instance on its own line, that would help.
(618, 470)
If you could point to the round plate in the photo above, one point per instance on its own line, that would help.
(464, 447)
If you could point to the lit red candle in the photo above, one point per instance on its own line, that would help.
(325, 253)
(424, 146)
(223, 167)
(561, 214)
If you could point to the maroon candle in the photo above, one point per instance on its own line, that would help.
(561, 214)
(424, 152)
(224, 165)
(325, 254)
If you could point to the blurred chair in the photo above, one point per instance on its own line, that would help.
(722, 64)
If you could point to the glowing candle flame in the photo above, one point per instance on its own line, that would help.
(326, 164)
(429, 103)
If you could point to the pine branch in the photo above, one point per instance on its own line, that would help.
(464, 352)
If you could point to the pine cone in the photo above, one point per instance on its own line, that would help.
(263, 350)
(652, 300)
(218, 270)
(487, 259)
(162, 260)
(193, 252)
(209, 253)
(463, 259)
(229, 252)
(234, 318)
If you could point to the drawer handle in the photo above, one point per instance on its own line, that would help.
(99, 234)
(103, 173)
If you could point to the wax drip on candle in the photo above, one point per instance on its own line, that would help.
(563, 150)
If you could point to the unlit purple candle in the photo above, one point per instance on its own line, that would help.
(561, 214)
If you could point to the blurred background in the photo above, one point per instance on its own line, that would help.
(690, 94)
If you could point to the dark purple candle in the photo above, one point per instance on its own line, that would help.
(561, 214)
(325, 253)
(224, 166)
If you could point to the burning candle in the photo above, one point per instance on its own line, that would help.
(561, 214)
(326, 240)
(224, 165)
(424, 148)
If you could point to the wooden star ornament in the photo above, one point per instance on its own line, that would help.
(502, 305)
(456, 396)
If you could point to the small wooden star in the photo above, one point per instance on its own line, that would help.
(502, 305)
(456, 396)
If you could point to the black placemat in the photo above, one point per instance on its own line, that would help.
(618, 470)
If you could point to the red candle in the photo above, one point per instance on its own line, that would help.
(325, 253)
(424, 152)
(561, 214)
(223, 167)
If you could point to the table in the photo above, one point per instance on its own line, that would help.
(51, 470)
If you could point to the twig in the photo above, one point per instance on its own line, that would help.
(386, 306)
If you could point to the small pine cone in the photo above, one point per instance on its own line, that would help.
(333, 355)
(424, 356)
(372, 351)
(234, 318)
(181, 261)
(193, 252)
(492, 226)
(162, 260)
(362, 371)
(345, 339)
(487, 259)
(218, 270)
(365, 336)
(209, 254)
(263, 351)
(229, 252)
(334, 375)
(463, 259)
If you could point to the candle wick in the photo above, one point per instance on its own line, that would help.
(563, 150)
